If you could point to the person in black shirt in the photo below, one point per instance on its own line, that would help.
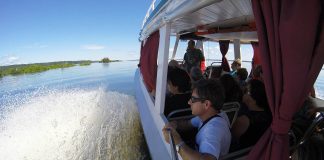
(255, 120)
(193, 57)
(179, 86)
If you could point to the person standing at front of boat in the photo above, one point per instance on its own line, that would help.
(193, 56)
(214, 137)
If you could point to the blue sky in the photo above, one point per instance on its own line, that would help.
(55, 30)
(52, 30)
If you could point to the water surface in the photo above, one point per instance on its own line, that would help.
(86, 112)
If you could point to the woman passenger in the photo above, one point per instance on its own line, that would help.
(250, 126)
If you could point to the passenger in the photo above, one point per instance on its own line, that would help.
(193, 57)
(195, 74)
(311, 149)
(235, 65)
(315, 107)
(233, 92)
(216, 72)
(304, 117)
(258, 73)
(173, 63)
(179, 86)
(250, 126)
(214, 137)
(242, 75)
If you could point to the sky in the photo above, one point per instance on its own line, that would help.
(33, 31)
(55, 30)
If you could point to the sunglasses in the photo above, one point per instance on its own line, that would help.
(194, 99)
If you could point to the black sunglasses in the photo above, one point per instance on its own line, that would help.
(194, 99)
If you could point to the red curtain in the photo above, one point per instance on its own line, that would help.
(291, 39)
(223, 45)
(256, 57)
(148, 60)
(256, 54)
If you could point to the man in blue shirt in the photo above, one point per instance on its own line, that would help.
(214, 137)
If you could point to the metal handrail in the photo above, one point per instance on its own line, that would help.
(178, 111)
(174, 153)
(232, 107)
(148, 13)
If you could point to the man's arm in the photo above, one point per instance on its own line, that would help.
(182, 125)
(202, 57)
(185, 151)
(185, 59)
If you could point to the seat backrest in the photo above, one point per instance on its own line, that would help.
(180, 114)
(231, 109)
(318, 123)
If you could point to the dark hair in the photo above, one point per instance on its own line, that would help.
(191, 42)
(242, 73)
(233, 92)
(216, 71)
(257, 71)
(211, 90)
(310, 149)
(180, 78)
(258, 93)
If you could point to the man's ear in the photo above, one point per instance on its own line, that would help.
(207, 104)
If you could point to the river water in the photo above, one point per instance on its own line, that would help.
(77, 113)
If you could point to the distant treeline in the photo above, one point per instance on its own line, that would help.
(38, 67)
(107, 60)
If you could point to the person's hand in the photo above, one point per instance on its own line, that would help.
(173, 124)
(169, 128)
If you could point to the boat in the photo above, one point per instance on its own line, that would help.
(282, 35)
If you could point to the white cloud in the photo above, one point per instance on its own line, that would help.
(92, 47)
(9, 60)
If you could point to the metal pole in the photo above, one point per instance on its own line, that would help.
(173, 148)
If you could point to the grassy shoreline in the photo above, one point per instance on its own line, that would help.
(41, 67)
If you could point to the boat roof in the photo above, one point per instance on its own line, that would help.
(207, 20)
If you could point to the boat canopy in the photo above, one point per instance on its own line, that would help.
(203, 19)
(290, 48)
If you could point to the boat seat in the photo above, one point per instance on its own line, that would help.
(238, 155)
(185, 114)
(231, 109)
(317, 124)
(214, 66)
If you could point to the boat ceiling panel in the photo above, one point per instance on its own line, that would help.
(245, 37)
(221, 14)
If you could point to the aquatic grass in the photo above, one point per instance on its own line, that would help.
(38, 67)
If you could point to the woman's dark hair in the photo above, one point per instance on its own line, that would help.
(179, 78)
(233, 92)
(242, 73)
(211, 90)
(257, 71)
(258, 93)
